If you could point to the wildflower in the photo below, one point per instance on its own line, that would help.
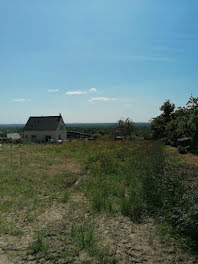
(46, 214)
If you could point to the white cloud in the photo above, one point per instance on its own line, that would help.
(75, 92)
(101, 99)
(21, 100)
(93, 90)
(53, 90)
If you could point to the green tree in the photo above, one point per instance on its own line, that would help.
(192, 106)
(174, 124)
(125, 128)
(167, 110)
(158, 124)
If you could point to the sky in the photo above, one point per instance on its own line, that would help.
(96, 60)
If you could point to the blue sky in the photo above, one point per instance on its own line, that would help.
(96, 60)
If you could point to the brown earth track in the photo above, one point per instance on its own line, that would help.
(128, 242)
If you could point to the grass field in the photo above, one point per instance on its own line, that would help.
(109, 202)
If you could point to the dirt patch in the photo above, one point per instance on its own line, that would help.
(3, 258)
(126, 241)
(137, 243)
(189, 158)
(56, 220)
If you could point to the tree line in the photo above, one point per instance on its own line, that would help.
(174, 123)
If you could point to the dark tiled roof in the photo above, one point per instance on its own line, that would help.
(42, 123)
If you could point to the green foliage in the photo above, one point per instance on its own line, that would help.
(40, 244)
(140, 180)
(133, 205)
(135, 178)
(125, 128)
(158, 124)
(66, 196)
(84, 236)
(168, 109)
(101, 202)
(174, 124)
(103, 258)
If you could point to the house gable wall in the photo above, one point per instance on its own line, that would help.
(61, 132)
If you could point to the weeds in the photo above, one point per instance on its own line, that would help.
(66, 197)
(85, 237)
(40, 244)
(101, 202)
(16, 232)
(138, 179)
(143, 180)
(103, 258)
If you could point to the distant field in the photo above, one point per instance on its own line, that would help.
(108, 202)
(103, 125)
(76, 125)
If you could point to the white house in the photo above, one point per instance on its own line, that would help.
(45, 128)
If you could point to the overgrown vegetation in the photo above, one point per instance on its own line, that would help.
(136, 179)
(39, 244)
(84, 236)
(142, 181)
(177, 123)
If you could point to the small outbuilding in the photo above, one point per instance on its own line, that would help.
(13, 136)
(45, 129)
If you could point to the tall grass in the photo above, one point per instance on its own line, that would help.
(84, 236)
(139, 179)
(40, 244)
(136, 179)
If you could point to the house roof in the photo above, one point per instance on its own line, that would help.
(42, 123)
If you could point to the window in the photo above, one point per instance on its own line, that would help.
(33, 136)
